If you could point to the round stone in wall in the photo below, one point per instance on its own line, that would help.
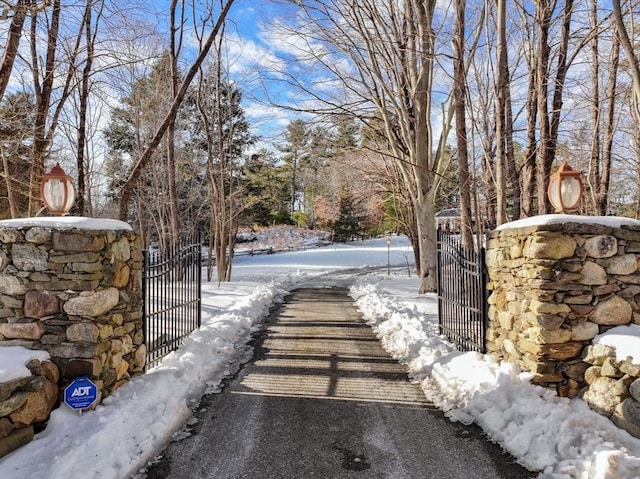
(38, 304)
(554, 247)
(593, 274)
(623, 265)
(613, 312)
(627, 416)
(120, 250)
(82, 332)
(11, 285)
(584, 331)
(634, 389)
(602, 246)
(38, 235)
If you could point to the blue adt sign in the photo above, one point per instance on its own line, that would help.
(81, 393)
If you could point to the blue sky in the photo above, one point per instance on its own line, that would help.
(252, 53)
(132, 22)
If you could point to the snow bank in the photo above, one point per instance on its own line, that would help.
(561, 437)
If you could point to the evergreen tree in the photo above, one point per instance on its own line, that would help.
(16, 139)
(266, 190)
(347, 225)
(346, 133)
(134, 123)
(296, 152)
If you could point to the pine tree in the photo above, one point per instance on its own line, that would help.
(266, 190)
(16, 138)
(347, 225)
(296, 152)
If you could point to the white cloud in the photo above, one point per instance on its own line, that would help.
(245, 56)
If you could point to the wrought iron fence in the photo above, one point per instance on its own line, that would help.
(172, 297)
(462, 300)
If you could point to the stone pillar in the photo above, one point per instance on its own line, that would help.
(73, 287)
(554, 288)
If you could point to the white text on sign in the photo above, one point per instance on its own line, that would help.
(81, 391)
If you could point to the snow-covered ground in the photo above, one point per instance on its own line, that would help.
(560, 437)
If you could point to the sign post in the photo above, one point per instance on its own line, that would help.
(80, 394)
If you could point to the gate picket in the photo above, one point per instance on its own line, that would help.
(462, 301)
(172, 297)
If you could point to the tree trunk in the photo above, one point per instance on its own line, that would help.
(502, 80)
(594, 177)
(426, 228)
(629, 49)
(13, 208)
(513, 177)
(559, 83)
(43, 84)
(602, 199)
(460, 95)
(636, 149)
(633, 66)
(81, 194)
(211, 252)
(11, 45)
(544, 156)
(174, 51)
(529, 176)
(43, 101)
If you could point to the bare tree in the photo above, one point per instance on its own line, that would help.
(633, 65)
(144, 159)
(390, 49)
(12, 42)
(483, 133)
(549, 121)
(175, 46)
(46, 78)
(602, 197)
(19, 12)
(226, 134)
(460, 96)
(594, 156)
(90, 24)
(528, 204)
(545, 147)
(629, 50)
(502, 80)
(603, 110)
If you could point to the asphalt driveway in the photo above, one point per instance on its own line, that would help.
(323, 399)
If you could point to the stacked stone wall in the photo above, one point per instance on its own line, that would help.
(553, 289)
(77, 294)
(25, 404)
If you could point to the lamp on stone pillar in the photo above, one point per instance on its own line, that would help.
(57, 191)
(565, 189)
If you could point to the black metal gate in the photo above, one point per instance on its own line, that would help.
(462, 300)
(172, 297)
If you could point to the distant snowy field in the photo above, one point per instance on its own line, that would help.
(560, 437)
